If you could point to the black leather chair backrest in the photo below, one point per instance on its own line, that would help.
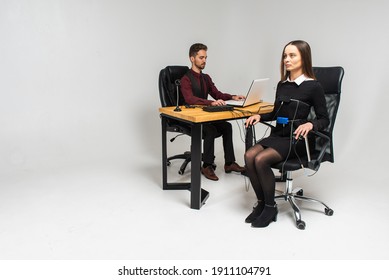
(331, 80)
(167, 85)
(168, 95)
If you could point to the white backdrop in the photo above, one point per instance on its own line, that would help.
(78, 79)
(80, 136)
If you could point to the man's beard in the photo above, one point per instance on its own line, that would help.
(201, 66)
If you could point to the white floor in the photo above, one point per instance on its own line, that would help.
(113, 210)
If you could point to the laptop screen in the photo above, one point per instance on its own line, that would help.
(254, 95)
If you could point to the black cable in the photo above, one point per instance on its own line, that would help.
(174, 138)
(298, 157)
(301, 163)
(264, 106)
(241, 131)
(290, 137)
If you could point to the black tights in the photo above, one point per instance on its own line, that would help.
(258, 165)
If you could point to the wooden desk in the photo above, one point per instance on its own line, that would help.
(195, 117)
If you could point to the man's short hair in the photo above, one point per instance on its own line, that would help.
(195, 48)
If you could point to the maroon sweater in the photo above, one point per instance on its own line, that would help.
(191, 99)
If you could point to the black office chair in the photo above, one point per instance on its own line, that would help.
(169, 79)
(331, 80)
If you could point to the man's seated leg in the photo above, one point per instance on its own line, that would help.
(225, 128)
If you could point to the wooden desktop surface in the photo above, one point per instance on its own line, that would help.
(198, 115)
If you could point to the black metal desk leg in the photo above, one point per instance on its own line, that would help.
(164, 153)
(165, 184)
(198, 195)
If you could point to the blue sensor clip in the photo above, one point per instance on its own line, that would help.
(282, 120)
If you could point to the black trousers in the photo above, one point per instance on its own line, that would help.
(210, 132)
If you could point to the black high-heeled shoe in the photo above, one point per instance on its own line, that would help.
(268, 215)
(257, 210)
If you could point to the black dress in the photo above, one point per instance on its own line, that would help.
(310, 94)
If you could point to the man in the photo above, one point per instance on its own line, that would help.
(195, 87)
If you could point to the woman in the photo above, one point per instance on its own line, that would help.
(296, 93)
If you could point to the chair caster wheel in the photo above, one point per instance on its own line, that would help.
(300, 224)
(300, 192)
(168, 163)
(181, 172)
(329, 212)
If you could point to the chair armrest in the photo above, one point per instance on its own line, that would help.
(315, 164)
(250, 134)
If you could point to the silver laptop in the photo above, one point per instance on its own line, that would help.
(254, 95)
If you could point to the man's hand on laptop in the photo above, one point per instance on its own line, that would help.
(238, 97)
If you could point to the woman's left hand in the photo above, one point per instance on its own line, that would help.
(303, 130)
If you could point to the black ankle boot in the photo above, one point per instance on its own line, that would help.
(257, 210)
(268, 215)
